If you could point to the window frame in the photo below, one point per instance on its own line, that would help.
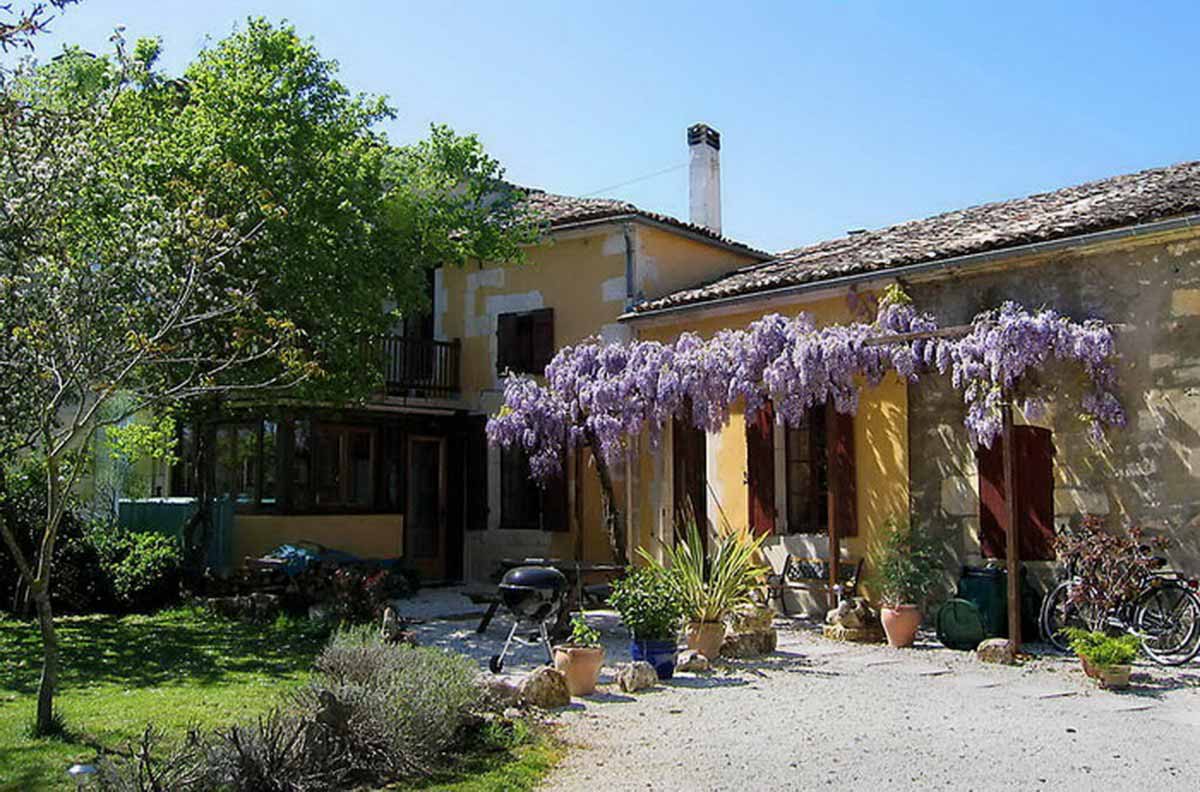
(817, 463)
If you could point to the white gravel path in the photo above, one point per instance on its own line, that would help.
(823, 715)
(826, 715)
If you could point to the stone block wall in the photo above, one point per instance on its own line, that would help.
(1148, 472)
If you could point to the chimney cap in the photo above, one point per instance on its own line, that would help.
(703, 133)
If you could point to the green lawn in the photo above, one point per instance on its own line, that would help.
(176, 669)
(119, 673)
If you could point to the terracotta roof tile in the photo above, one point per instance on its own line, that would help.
(1095, 206)
(560, 210)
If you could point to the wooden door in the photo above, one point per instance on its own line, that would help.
(425, 517)
(690, 480)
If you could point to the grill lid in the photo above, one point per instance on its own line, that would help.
(535, 577)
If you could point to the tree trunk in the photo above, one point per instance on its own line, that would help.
(198, 529)
(608, 502)
(50, 662)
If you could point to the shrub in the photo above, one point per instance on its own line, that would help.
(1111, 568)
(355, 593)
(582, 633)
(907, 566)
(142, 569)
(648, 603)
(77, 584)
(399, 708)
(373, 713)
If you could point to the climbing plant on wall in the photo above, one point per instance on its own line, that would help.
(602, 395)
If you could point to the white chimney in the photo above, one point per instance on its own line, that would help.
(704, 176)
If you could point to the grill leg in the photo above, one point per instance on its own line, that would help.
(497, 663)
(546, 643)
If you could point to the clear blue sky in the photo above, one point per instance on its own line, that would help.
(834, 115)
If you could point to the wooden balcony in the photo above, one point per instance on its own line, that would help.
(419, 366)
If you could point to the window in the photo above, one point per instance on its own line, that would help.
(519, 495)
(808, 475)
(526, 505)
(525, 341)
(343, 466)
(244, 462)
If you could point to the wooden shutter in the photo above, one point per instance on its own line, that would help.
(507, 355)
(843, 505)
(555, 514)
(1035, 492)
(1034, 485)
(542, 341)
(476, 475)
(760, 469)
(990, 463)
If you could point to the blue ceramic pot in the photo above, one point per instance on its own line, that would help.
(660, 654)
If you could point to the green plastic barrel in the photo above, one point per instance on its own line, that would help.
(987, 588)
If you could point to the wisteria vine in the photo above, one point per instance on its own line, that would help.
(604, 394)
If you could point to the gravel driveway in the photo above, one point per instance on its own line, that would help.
(821, 715)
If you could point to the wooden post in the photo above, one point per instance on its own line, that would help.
(1012, 548)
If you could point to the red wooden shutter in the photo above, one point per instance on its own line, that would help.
(1034, 485)
(990, 462)
(542, 343)
(507, 355)
(843, 505)
(760, 469)
(1035, 492)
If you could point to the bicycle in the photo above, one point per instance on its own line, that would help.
(1164, 613)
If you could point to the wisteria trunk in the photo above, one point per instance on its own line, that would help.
(608, 502)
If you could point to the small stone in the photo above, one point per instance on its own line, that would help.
(996, 650)
(545, 688)
(692, 661)
(632, 677)
(741, 645)
(751, 618)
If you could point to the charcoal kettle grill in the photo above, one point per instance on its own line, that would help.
(534, 595)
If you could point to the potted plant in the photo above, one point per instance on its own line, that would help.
(907, 569)
(649, 606)
(580, 657)
(710, 589)
(1105, 658)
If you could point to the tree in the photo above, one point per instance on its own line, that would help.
(167, 243)
(603, 395)
(19, 27)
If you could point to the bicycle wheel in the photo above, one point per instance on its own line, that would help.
(1167, 619)
(1059, 613)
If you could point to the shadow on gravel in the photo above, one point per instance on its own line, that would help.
(707, 681)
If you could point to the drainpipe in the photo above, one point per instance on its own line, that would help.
(630, 282)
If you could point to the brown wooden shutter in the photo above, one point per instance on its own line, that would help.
(507, 343)
(1035, 492)
(555, 514)
(1033, 448)
(760, 469)
(542, 343)
(476, 475)
(843, 505)
(990, 463)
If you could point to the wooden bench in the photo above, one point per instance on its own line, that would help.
(812, 574)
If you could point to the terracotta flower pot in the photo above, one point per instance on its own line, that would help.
(1114, 677)
(900, 623)
(1089, 669)
(706, 638)
(581, 666)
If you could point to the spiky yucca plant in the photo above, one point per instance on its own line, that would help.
(711, 588)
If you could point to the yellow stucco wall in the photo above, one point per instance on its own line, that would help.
(365, 535)
(880, 439)
(583, 277)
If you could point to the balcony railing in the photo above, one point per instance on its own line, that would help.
(419, 366)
